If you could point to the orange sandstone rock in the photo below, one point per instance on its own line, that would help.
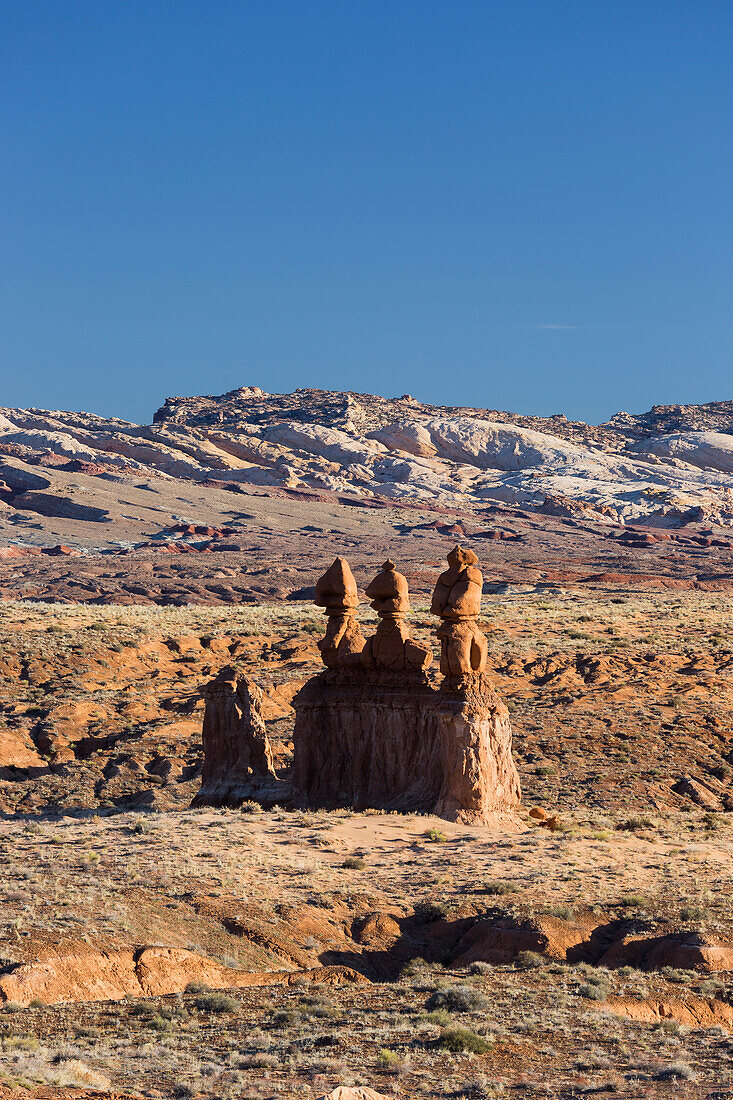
(391, 647)
(457, 600)
(336, 592)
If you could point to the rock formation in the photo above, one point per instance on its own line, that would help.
(336, 592)
(378, 733)
(238, 759)
(391, 647)
(457, 600)
(398, 448)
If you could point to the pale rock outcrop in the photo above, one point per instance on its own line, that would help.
(708, 450)
(328, 443)
(666, 467)
(492, 446)
(407, 436)
(61, 443)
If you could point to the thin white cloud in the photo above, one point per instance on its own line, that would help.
(555, 328)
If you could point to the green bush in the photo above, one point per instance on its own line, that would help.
(387, 1059)
(431, 910)
(216, 1002)
(528, 960)
(462, 1040)
(458, 998)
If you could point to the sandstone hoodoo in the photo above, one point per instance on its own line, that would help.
(336, 592)
(238, 760)
(391, 647)
(374, 731)
(377, 727)
(457, 600)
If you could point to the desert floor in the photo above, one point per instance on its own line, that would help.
(417, 956)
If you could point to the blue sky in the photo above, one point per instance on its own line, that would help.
(523, 205)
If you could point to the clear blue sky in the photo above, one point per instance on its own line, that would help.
(524, 204)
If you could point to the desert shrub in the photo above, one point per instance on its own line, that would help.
(284, 1018)
(634, 824)
(592, 1060)
(387, 1059)
(436, 836)
(693, 912)
(667, 1027)
(160, 1023)
(440, 1017)
(250, 807)
(431, 910)
(632, 901)
(328, 1039)
(354, 863)
(462, 1040)
(562, 912)
(500, 886)
(480, 968)
(197, 987)
(416, 968)
(677, 1071)
(319, 1007)
(596, 984)
(528, 960)
(672, 974)
(262, 1060)
(458, 998)
(593, 992)
(216, 1002)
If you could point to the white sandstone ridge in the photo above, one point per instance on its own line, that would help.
(669, 466)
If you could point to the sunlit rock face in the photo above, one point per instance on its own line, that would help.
(662, 466)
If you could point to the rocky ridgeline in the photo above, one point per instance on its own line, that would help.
(667, 467)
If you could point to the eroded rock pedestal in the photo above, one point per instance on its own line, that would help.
(370, 738)
(373, 731)
(238, 762)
